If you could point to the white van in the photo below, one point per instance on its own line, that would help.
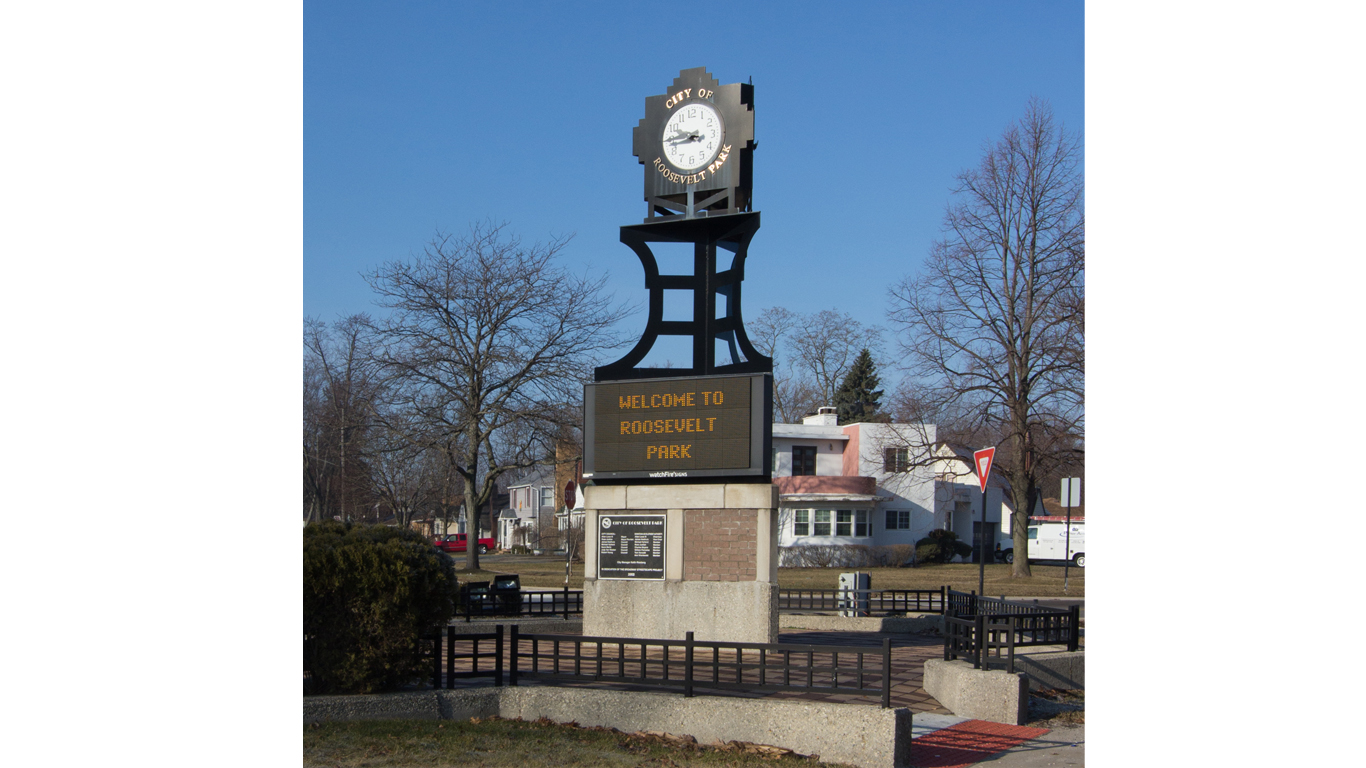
(1048, 541)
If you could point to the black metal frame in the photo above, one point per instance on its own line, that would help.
(732, 233)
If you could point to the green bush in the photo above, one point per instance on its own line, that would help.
(369, 593)
(940, 546)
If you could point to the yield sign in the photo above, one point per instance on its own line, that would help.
(982, 460)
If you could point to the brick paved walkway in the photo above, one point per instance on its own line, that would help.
(909, 653)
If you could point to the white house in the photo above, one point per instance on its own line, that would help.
(875, 485)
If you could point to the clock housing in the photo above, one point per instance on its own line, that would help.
(710, 180)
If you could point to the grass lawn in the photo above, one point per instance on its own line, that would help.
(497, 742)
(1045, 581)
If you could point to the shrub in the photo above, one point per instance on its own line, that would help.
(940, 547)
(892, 556)
(844, 556)
(370, 592)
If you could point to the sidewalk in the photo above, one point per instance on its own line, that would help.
(946, 741)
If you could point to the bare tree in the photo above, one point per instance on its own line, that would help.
(993, 323)
(406, 467)
(489, 339)
(811, 355)
(826, 343)
(792, 395)
(340, 396)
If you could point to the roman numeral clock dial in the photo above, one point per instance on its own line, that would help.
(693, 136)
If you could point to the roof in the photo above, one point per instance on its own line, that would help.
(1054, 507)
(539, 475)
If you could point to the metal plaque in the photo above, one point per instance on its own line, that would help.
(631, 547)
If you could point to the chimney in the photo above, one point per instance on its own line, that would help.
(826, 416)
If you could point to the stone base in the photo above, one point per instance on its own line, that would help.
(993, 695)
(732, 611)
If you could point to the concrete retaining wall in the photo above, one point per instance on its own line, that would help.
(912, 624)
(524, 626)
(993, 695)
(846, 733)
(1055, 669)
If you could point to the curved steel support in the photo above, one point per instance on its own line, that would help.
(732, 233)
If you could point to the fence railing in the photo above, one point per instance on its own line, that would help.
(971, 603)
(561, 603)
(879, 601)
(979, 637)
(688, 665)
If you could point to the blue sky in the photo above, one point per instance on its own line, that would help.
(421, 117)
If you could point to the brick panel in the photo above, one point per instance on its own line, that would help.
(720, 544)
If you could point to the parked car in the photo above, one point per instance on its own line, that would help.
(457, 542)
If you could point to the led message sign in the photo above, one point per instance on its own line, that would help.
(701, 426)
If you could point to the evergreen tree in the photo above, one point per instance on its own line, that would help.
(857, 398)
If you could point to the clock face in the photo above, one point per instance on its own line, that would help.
(693, 136)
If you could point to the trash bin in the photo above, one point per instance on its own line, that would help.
(853, 593)
(475, 598)
(507, 594)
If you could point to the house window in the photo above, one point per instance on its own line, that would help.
(803, 460)
(851, 522)
(547, 497)
(898, 519)
(844, 523)
(801, 524)
(896, 459)
(822, 524)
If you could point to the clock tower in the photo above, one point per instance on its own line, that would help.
(696, 142)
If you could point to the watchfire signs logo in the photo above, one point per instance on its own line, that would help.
(982, 460)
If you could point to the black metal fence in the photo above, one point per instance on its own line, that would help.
(886, 601)
(971, 603)
(982, 627)
(562, 603)
(688, 665)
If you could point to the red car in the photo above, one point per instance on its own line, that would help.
(456, 542)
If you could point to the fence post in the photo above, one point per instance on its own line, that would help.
(512, 672)
(981, 625)
(1010, 644)
(886, 672)
(566, 602)
(687, 666)
(943, 599)
(498, 656)
(436, 660)
(450, 652)
(1074, 633)
(949, 629)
